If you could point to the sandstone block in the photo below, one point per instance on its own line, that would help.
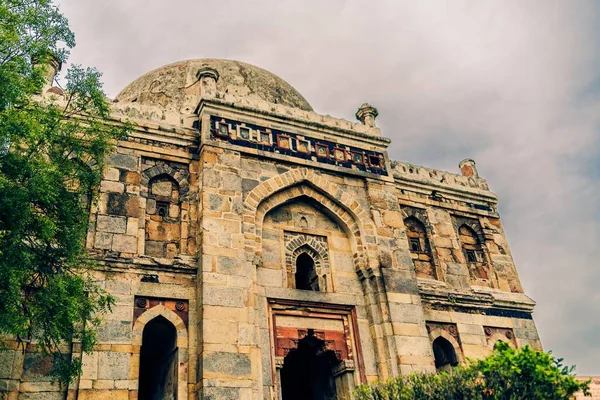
(112, 365)
(219, 393)
(6, 362)
(103, 394)
(130, 177)
(393, 219)
(114, 331)
(219, 331)
(110, 186)
(123, 161)
(132, 226)
(229, 364)
(269, 277)
(103, 240)
(110, 224)
(124, 244)
(223, 296)
(111, 174)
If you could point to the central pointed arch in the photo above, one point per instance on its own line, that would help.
(334, 201)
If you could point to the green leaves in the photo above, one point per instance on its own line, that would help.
(507, 374)
(51, 164)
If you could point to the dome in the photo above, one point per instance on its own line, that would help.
(175, 88)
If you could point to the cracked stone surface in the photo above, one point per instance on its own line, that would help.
(175, 88)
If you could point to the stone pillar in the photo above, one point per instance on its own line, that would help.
(208, 78)
(467, 168)
(227, 350)
(367, 114)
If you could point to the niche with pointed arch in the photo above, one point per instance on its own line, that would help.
(158, 360)
(160, 365)
(302, 239)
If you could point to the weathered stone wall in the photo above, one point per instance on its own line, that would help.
(203, 228)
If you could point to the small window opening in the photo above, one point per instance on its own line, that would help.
(444, 354)
(415, 245)
(306, 276)
(162, 208)
(471, 256)
(245, 133)
(303, 222)
(223, 129)
(375, 161)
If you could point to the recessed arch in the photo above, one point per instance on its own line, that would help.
(334, 201)
(444, 354)
(438, 333)
(306, 276)
(160, 311)
(164, 169)
(343, 208)
(158, 360)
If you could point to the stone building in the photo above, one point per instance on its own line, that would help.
(259, 250)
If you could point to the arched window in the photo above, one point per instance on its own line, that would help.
(163, 230)
(306, 276)
(419, 248)
(473, 252)
(158, 361)
(444, 354)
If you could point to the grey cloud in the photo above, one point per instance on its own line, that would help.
(509, 83)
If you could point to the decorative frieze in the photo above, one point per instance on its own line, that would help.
(298, 146)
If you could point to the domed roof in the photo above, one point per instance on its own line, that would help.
(175, 87)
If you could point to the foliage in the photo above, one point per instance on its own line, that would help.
(456, 384)
(51, 159)
(507, 374)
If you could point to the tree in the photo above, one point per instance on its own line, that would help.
(51, 160)
(507, 374)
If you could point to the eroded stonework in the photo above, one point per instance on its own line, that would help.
(251, 243)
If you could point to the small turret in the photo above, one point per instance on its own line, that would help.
(367, 114)
(208, 78)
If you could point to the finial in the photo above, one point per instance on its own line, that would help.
(367, 114)
(467, 168)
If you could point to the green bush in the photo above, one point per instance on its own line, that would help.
(507, 374)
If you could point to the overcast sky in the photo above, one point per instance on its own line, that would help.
(513, 84)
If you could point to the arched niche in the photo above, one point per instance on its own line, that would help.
(167, 192)
(305, 277)
(158, 361)
(325, 248)
(419, 247)
(444, 354)
(161, 320)
(473, 251)
(340, 204)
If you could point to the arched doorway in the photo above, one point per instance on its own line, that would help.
(158, 361)
(444, 354)
(307, 371)
(306, 276)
